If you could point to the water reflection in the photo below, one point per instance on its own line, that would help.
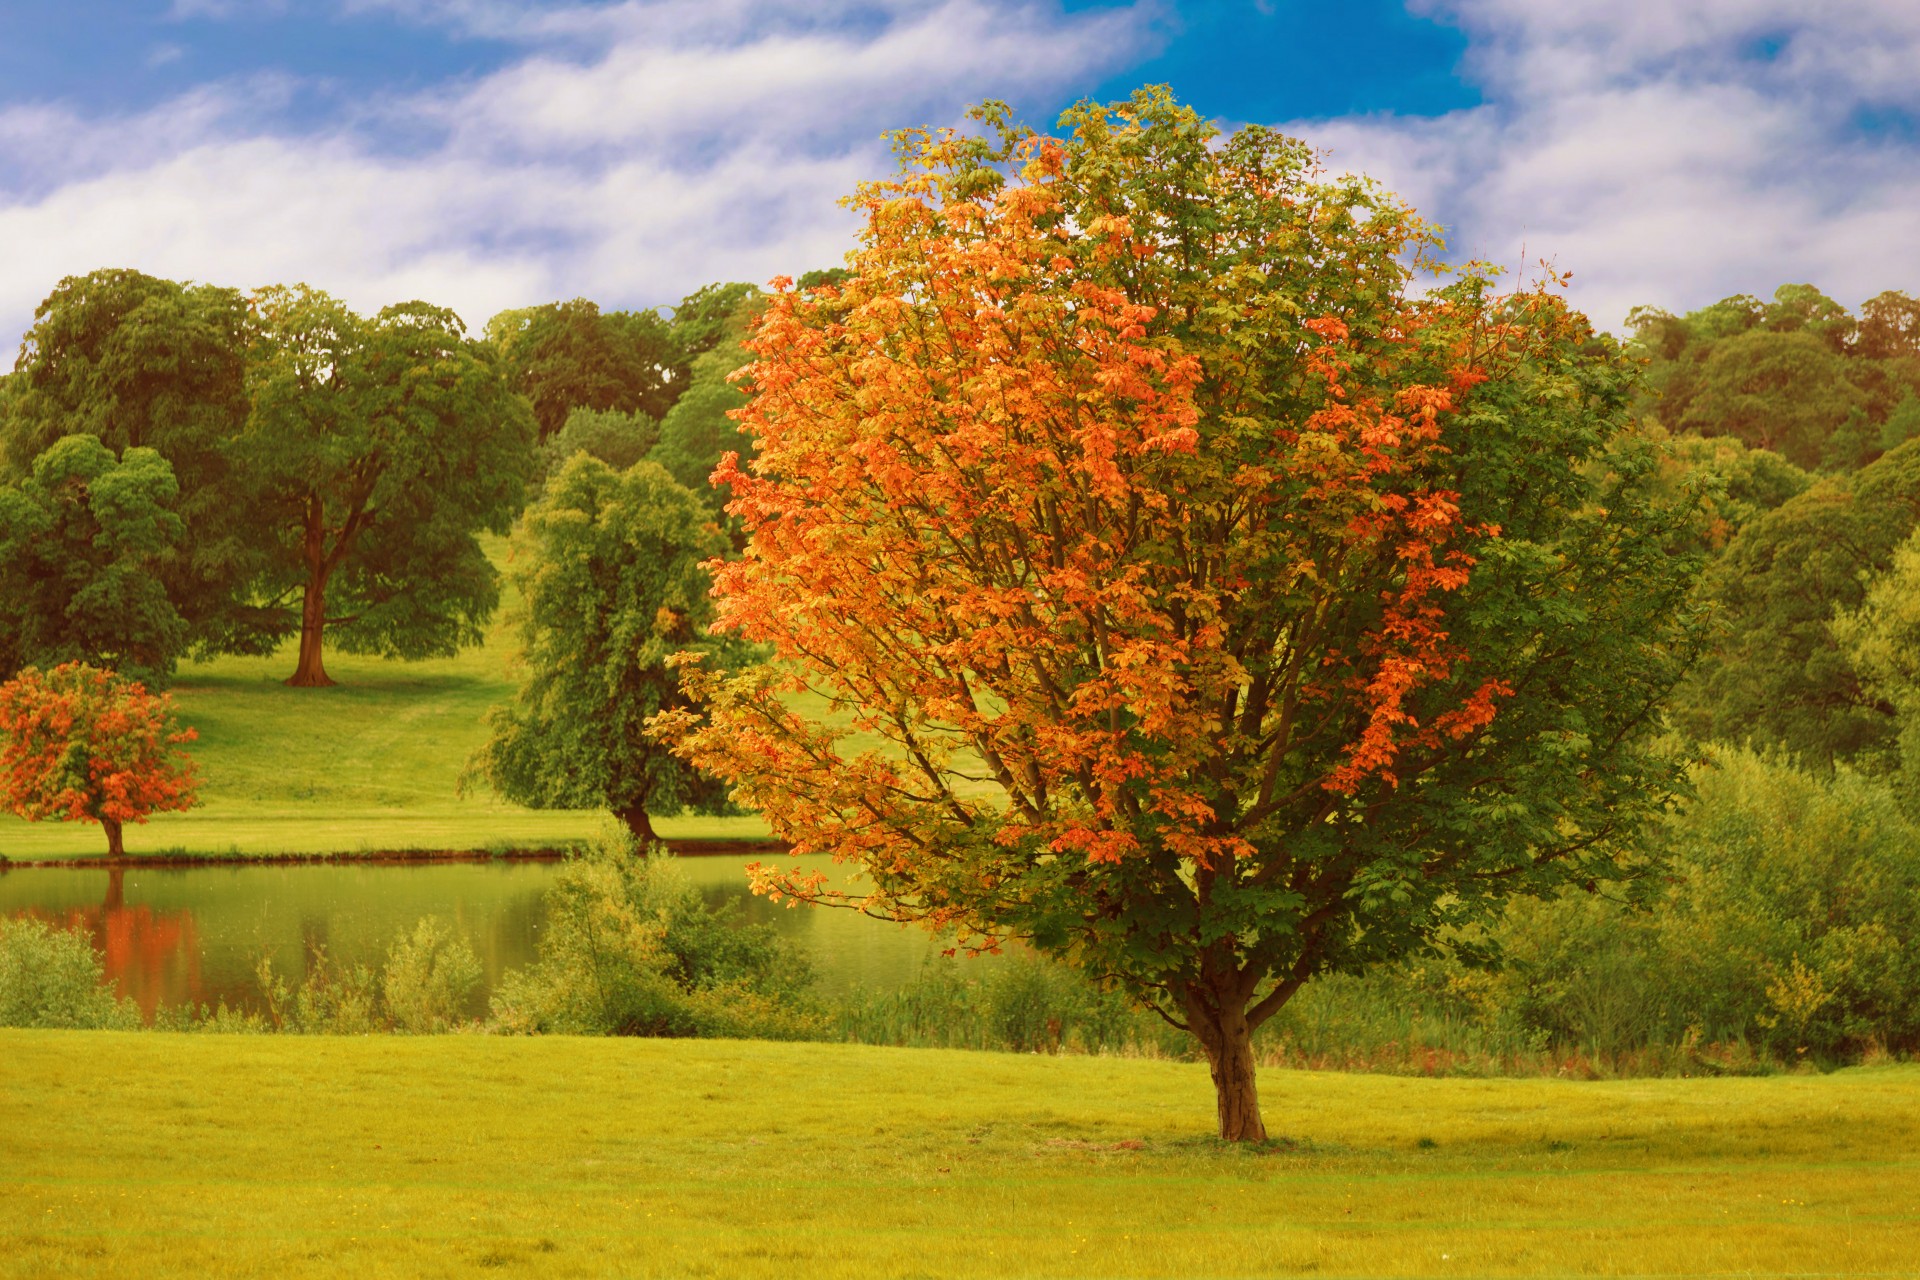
(195, 935)
(151, 957)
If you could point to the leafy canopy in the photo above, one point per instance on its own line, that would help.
(143, 363)
(85, 541)
(377, 449)
(610, 569)
(1229, 614)
(83, 745)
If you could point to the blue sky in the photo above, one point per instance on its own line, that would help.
(491, 153)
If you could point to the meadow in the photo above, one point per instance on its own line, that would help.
(156, 1155)
(371, 765)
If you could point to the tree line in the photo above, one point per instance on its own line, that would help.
(189, 470)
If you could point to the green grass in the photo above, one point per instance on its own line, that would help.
(155, 1155)
(370, 765)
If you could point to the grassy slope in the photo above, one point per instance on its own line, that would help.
(162, 1155)
(370, 765)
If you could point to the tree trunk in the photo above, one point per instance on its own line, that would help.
(311, 672)
(635, 817)
(1223, 1030)
(116, 848)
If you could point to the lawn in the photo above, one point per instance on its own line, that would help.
(372, 764)
(163, 1155)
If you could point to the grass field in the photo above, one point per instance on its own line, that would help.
(163, 1155)
(372, 764)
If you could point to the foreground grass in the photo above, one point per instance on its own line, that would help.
(159, 1155)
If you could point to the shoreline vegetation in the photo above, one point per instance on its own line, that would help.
(692, 847)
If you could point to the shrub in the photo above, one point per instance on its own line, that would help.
(52, 978)
(430, 978)
(424, 987)
(631, 948)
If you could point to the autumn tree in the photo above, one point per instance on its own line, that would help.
(83, 745)
(378, 448)
(1229, 611)
(143, 363)
(85, 541)
(610, 570)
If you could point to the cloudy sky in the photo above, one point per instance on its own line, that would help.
(493, 153)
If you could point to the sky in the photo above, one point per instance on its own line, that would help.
(485, 154)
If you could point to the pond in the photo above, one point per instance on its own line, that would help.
(195, 935)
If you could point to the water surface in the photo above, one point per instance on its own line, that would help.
(195, 935)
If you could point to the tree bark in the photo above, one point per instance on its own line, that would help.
(1224, 1032)
(310, 672)
(637, 822)
(116, 848)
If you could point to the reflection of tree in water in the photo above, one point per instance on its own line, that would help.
(151, 957)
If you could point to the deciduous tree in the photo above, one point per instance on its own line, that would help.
(378, 449)
(1230, 613)
(83, 745)
(609, 566)
(571, 355)
(85, 544)
(1777, 676)
(144, 363)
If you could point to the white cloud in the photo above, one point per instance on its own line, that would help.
(1665, 151)
(1669, 153)
(637, 152)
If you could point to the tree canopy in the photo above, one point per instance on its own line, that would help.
(377, 449)
(140, 362)
(1777, 676)
(85, 542)
(610, 567)
(81, 744)
(1231, 613)
(571, 355)
(1799, 375)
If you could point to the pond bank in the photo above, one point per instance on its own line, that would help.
(688, 848)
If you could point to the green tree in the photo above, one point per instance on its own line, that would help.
(85, 542)
(377, 450)
(617, 439)
(1788, 392)
(610, 568)
(570, 355)
(711, 315)
(1778, 677)
(140, 362)
(699, 430)
(1227, 610)
(1881, 639)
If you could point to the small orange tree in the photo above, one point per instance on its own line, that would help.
(81, 744)
(1229, 614)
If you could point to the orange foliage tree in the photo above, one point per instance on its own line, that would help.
(1230, 613)
(81, 744)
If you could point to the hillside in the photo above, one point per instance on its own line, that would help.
(372, 764)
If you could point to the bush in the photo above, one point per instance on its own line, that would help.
(52, 978)
(429, 979)
(1018, 1003)
(424, 987)
(631, 948)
